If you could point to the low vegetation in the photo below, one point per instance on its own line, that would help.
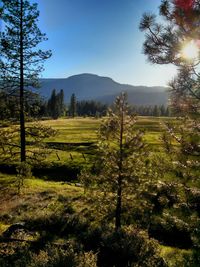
(58, 218)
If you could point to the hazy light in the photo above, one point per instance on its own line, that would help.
(190, 51)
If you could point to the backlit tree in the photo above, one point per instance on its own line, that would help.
(21, 61)
(122, 161)
(176, 40)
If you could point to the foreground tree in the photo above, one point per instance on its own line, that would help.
(176, 41)
(122, 160)
(21, 62)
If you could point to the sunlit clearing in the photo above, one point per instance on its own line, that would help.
(190, 51)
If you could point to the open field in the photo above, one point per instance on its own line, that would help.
(78, 136)
(74, 145)
(54, 208)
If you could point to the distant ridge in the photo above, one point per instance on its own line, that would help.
(88, 86)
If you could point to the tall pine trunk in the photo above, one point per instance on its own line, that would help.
(22, 117)
(120, 177)
(119, 204)
(23, 61)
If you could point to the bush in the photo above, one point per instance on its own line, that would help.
(23, 172)
(171, 231)
(129, 247)
(51, 256)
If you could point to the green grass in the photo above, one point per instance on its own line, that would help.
(38, 198)
(175, 257)
(76, 140)
(72, 141)
(73, 146)
(74, 130)
(42, 200)
(84, 130)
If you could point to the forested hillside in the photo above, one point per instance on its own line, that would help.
(104, 89)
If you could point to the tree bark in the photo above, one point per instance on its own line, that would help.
(119, 182)
(118, 206)
(22, 117)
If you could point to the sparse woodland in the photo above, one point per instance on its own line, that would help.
(87, 184)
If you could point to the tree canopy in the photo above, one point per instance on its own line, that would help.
(21, 60)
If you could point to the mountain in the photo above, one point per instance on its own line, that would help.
(93, 87)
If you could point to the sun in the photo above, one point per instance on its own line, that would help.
(190, 51)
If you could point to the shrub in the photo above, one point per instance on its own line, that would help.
(51, 256)
(23, 172)
(129, 247)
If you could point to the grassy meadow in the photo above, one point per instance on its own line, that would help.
(78, 136)
(54, 191)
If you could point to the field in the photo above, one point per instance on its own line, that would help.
(74, 145)
(53, 200)
(76, 137)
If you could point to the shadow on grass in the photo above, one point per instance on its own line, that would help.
(53, 172)
(58, 172)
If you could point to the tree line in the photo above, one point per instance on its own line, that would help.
(55, 107)
(152, 110)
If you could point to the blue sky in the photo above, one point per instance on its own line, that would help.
(100, 37)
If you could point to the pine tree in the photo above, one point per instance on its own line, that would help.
(122, 160)
(90, 108)
(156, 111)
(72, 107)
(176, 41)
(168, 43)
(21, 61)
(164, 44)
(62, 102)
(55, 105)
(162, 110)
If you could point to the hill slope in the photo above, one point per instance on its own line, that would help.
(104, 89)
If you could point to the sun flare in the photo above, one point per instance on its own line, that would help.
(190, 51)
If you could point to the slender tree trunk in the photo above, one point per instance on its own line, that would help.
(22, 117)
(119, 182)
(119, 204)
